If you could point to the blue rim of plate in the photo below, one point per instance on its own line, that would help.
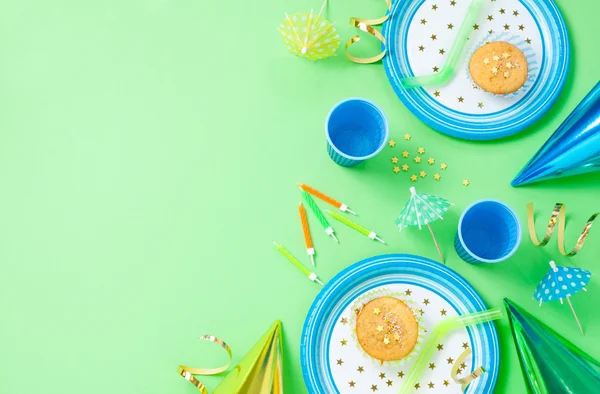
(360, 277)
(528, 110)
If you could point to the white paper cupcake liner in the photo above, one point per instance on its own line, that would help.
(519, 42)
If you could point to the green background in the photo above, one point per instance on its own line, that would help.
(149, 154)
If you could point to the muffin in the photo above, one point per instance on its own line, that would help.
(498, 68)
(387, 329)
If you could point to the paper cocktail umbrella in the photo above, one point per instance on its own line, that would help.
(421, 210)
(562, 282)
(309, 35)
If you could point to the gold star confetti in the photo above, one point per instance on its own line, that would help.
(509, 65)
(505, 55)
(421, 48)
(466, 182)
(443, 312)
(407, 137)
(506, 27)
(344, 320)
(443, 166)
(446, 383)
(417, 386)
(461, 99)
(397, 337)
(404, 167)
(344, 342)
(475, 26)
(374, 387)
(450, 360)
(435, 69)
(352, 383)
(401, 374)
(450, 26)
(486, 61)
(516, 13)
(453, 3)
(434, 7)
(436, 93)
(360, 369)
(528, 41)
(442, 51)
(426, 301)
(502, 10)
(490, 18)
(405, 154)
(381, 375)
(408, 292)
(432, 366)
(417, 159)
(392, 143)
(396, 169)
(465, 345)
(480, 105)
(521, 27)
(494, 70)
(506, 74)
(421, 150)
(463, 365)
(423, 21)
(377, 311)
(422, 174)
(437, 177)
(431, 385)
(433, 37)
(389, 383)
(380, 328)
(496, 58)
(440, 347)
(386, 341)
(340, 361)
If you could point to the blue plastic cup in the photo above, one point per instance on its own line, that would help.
(489, 231)
(356, 130)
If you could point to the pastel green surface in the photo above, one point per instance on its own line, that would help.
(149, 155)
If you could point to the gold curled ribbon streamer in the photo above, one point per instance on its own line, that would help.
(558, 216)
(366, 25)
(188, 372)
(465, 380)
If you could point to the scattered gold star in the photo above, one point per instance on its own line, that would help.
(386, 341)
(344, 342)
(374, 387)
(490, 18)
(496, 58)
(505, 55)
(417, 159)
(466, 182)
(422, 174)
(417, 386)
(376, 311)
(494, 70)
(344, 320)
(463, 365)
(423, 21)
(490, 31)
(528, 41)
(434, 7)
(450, 26)
(352, 383)
(509, 65)
(421, 48)
(450, 360)
(480, 105)
(437, 177)
(433, 37)
(475, 26)
(405, 154)
(380, 328)
(340, 361)
(459, 371)
(404, 167)
(401, 374)
(486, 61)
(506, 26)
(431, 385)
(421, 312)
(408, 292)
(502, 10)
(436, 93)
(435, 69)
(394, 160)
(432, 366)
(521, 27)
(360, 369)
(461, 99)
(440, 347)
(389, 383)
(516, 13)
(506, 74)
(465, 345)
(443, 166)
(443, 312)
(442, 51)
(392, 143)
(453, 3)
(421, 150)
(397, 337)
(446, 383)
(426, 301)
(396, 169)
(381, 375)
(407, 137)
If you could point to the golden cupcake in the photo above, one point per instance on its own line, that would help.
(498, 68)
(387, 329)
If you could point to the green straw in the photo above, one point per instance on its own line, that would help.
(355, 226)
(311, 275)
(436, 336)
(449, 67)
(313, 206)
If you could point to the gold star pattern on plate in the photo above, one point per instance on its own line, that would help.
(480, 105)
(344, 342)
(431, 385)
(376, 311)
(408, 292)
(506, 26)
(516, 13)
(437, 177)
(434, 7)
(502, 11)
(421, 312)
(405, 154)
(381, 375)
(407, 137)
(417, 386)
(466, 182)
(344, 320)
(432, 366)
(389, 383)
(528, 41)
(443, 312)
(386, 341)
(441, 51)
(394, 160)
(463, 365)
(423, 21)
(396, 169)
(373, 387)
(421, 150)
(392, 143)
(352, 383)
(340, 361)
(421, 48)
(443, 166)
(433, 37)
(475, 26)
(404, 167)
(490, 18)
(521, 27)
(446, 383)
(461, 99)
(436, 93)
(401, 374)
(417, 159)
(426, 301)
(360, 369)
(490, 31)
(459, 371)
(440, 347)
(450, 26)
(465, 345)
(435, 69)
(380, 328)
(422, 174)
(450, 360)
(453, 3)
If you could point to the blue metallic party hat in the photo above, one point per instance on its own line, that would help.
(550, 364)
(573, 149)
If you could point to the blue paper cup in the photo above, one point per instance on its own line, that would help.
(356, 130)
(489, 231)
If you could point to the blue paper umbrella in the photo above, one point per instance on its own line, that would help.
(562, 282)
(421, 210)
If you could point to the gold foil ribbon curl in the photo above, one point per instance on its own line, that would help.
(558, 217)
(366, 25)
(188, 372)
(465, 380)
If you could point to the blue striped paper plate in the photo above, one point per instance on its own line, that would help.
(333, 363)
(420, 33)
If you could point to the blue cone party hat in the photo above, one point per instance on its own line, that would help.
(573, 149)
(550, 364)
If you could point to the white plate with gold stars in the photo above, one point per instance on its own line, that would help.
(333, 362)
(420, 33)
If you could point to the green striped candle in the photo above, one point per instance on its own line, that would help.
(320, 217)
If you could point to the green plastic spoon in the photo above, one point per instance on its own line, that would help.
(447, 71)
(436, 336)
